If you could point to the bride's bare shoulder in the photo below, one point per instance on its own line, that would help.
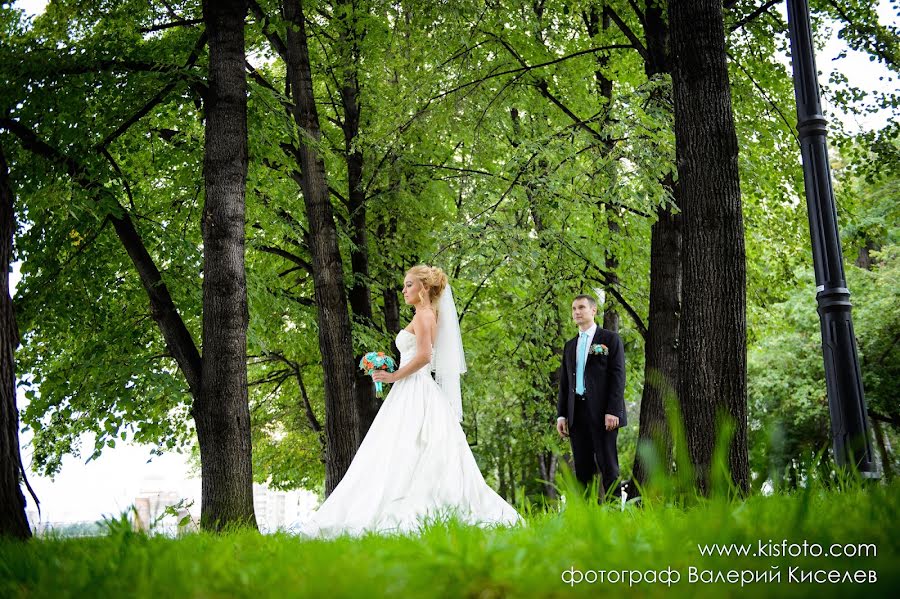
(424, 316)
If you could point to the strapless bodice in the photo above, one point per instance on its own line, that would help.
(406, 343)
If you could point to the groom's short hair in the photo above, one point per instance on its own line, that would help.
(590, 300)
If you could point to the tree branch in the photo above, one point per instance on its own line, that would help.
(765, 96)
(578, 121)
(479, 288)
(637, 11)
(756, 13)
(892, 419)
(172, 25)
(155, 100)
(876, 32)
(887, 351)
(545, 91)
(274, 39)
(307, 405)
(175, 333)
(606, 280)
(287, 256)
(125, 185)
(530, 68)
(626, 30)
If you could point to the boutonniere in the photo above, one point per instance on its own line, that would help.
(599, 349)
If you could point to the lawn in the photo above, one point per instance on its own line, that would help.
(583, 550)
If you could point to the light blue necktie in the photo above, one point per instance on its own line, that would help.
(580, 359)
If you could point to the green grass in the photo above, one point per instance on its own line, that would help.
(449, 560)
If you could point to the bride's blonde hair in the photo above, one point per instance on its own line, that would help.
(431, 277)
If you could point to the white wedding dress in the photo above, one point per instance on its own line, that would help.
(414, 465)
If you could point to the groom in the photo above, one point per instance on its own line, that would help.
(591, 405)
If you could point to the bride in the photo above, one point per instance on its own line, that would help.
(414, 465)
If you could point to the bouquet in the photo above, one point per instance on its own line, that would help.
(377, 360)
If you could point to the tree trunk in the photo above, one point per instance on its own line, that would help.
(713, 360)
(13, 522)
(390, 288)
(864, 258)
(222, 412)
(713, 363)
(335, 337)
(389, 293)
(360, 293)
(391, 310)
(661, 342)
(610, 315)
(547, 464)
(660, 346)
(593, 21)
(501, 475)
(510, 463)
(886, 466)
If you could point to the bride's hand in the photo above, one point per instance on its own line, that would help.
(383, 376)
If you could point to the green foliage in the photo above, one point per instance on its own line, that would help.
(789, 418)
(877, 325)
(788, 404)
(488, 149)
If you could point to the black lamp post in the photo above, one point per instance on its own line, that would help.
(846, 400)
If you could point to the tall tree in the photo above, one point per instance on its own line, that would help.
(13, 521)
(350, 37)
(713, 341)
(221, 412)
(597, 16)
(661, 341)
(335, 339)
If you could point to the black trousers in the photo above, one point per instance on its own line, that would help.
(593, 450)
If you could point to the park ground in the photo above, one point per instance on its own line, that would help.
(581, 549)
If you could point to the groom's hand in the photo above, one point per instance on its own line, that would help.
(562, 427)
(612, 422)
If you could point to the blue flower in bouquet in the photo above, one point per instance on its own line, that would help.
(377, 360)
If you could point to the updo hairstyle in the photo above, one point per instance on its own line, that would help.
(431, 277)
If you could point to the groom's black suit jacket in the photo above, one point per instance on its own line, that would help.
(604, 380)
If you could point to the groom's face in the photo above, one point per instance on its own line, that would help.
(583, 312)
